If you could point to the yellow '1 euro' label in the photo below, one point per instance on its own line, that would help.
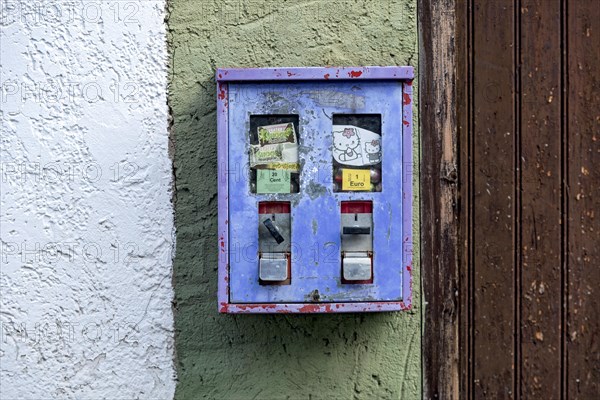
(356, 179)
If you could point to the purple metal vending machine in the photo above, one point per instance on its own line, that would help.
(315, 189)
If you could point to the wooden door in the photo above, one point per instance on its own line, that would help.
(510, 190)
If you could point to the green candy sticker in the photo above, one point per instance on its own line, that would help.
(272, 181)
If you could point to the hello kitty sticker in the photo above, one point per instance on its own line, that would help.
(356, 146)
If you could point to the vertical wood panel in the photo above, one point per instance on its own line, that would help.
(494, 196)
(528, 128)
(583, 273)
(540, 162)
(439, 213)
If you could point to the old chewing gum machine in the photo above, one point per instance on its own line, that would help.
(315, 189)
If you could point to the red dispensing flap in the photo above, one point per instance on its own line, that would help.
(274, 207)
(357, 207)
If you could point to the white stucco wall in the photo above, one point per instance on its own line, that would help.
(86, 213)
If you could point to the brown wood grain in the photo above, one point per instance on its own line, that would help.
(438, 188)
(540, 174)
(494, 199)
(526, 78)
(583, 201)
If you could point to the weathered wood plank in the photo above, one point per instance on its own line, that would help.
(540, 162)
(495, 204)
(583, 202)
(439, 218)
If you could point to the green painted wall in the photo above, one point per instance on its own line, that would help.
(360, 356)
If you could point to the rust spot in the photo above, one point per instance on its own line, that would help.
(354, 74)
(224, 307)
(408, 268)
(249, 307)
(222, 240)
(290, 73)
(409, 83)
(221, 93)
(411, 285)
(405, 122)
(220, 76)
(309, 308)
(326, 76)
(406, 99)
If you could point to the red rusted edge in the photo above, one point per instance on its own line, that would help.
(315, 73)
(311, 308)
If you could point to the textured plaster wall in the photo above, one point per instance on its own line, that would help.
(361, 356)
(86, 212)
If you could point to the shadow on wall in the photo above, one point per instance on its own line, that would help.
(334, 356)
